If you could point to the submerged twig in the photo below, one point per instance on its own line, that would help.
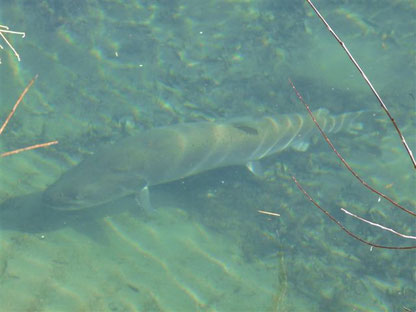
(19, 100)
(28, 148)
(377, 225)
(343, 227)
(342, 159)
(22, 95)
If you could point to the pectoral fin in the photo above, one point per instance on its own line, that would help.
(143, 199)
(256, 168)
(300, 146)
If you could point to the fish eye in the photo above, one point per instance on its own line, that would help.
(71, 194)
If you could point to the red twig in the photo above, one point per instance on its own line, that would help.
(343, 160)
(408, 150)
(343, 227)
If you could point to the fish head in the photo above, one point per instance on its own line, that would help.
(81, 187)
(61, 196)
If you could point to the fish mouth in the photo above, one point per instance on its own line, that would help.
(55, 201)
(63, 207)
(60, 206)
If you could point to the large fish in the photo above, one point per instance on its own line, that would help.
(170, 153)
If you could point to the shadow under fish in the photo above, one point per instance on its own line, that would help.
(29, 214)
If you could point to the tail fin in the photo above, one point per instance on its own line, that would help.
(346, 122)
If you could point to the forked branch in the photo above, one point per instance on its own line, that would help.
(5, 30)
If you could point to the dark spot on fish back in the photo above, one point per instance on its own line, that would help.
(246, 129)
(133, 288)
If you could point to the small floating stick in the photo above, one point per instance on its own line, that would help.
(269, 213)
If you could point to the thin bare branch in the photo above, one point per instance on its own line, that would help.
(36, 146)
(377, 225)
(22, 95)
(406, 146)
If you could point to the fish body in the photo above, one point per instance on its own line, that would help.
(165, 154)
